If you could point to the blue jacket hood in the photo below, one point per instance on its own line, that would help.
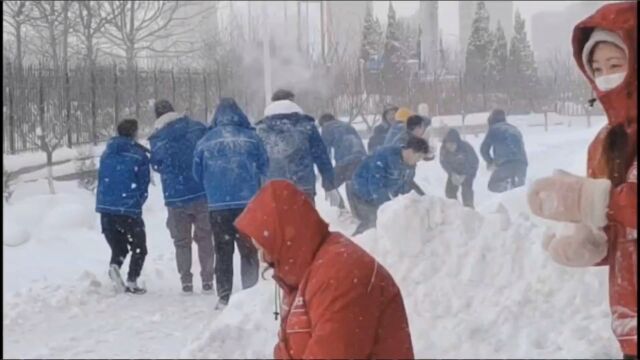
(228, 113)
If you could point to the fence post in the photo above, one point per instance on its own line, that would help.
(116, 100)
(206, 96)
(10, 90)
(155, 84)
(67, 100)
(546, 122)
(94, 132)
(136, 91)
(173, 86)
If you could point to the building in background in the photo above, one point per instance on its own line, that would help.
(429, 35)
(551, 30)
(498, 11)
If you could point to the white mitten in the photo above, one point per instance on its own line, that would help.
(578, 245)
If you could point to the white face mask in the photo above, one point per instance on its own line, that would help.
(608, 82)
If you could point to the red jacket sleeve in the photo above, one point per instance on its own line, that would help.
(343, 317)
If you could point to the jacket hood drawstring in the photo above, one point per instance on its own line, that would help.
(277, 305)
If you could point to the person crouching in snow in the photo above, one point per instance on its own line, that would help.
(508, 163)
(172, 145)
(460, 162)
(348, 150)
(383, 175)
(601, 209)
(123, 182)
(231, 162)
(339, 302)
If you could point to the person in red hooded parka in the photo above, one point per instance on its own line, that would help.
(603, 207)
(339, 302)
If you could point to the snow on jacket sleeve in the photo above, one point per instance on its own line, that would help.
(321, 158)
(485, 147)
(144, 177)
(197, 163)
(262, 162)
(157, 156)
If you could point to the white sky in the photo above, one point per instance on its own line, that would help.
(448, 11)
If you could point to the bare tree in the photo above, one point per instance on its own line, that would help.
(16, 14)
(138, 27)
(52, 23)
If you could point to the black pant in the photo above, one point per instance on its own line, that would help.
(508, 176)
(344, 172)
(451, 191)
(124, 233)
(225, 235)
(365, 212)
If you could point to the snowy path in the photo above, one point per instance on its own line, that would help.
(495, 288)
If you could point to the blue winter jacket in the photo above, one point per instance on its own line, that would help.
(506, 142)
(463, 161)
(397, 135)
(230, 160)
(123, 178)
(294, 144)
(344, 140)
(382, 176)
(172, 147)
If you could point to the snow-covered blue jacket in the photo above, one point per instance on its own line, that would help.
(344, 140)
(230, 160)
(397, 135)
(382, 176)
(123, 178)
(172, 147)
(506, 142)
(294, 144)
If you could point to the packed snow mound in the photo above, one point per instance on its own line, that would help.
(474, 286)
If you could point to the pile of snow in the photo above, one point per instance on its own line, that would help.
(474, 286)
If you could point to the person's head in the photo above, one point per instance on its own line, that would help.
(162, 107)
(416, 125)
(415, 150)
(389, 113)
(605, 58)
(325, 118)
(128, 128)
(402, 114)
(496, 116)
(283, 94)
(451, 140)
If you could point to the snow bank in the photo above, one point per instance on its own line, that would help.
(474, 286)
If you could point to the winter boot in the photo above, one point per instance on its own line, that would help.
(207, 288)
(133, 288)
(114, 275)
(222, 303)
(187, 289)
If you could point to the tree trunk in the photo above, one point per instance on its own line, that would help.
(19, 46)
(52, 188)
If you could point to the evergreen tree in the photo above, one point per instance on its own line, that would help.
(370, 35)
(521, 67)
(498, 60)
(394, 58)
(479, 52)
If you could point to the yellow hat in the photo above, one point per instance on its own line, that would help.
(403, 114)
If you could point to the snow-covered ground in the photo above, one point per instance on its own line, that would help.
(476, 284)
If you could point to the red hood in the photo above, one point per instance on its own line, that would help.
(620, 103)
(287, 226)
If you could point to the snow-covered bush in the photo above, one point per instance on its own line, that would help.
(86, 168)
(7, 182)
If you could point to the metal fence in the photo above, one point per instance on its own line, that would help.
(85, 105)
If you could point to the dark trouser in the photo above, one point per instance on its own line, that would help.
(182, 222)
(344, 173)
(225, 235)
(364, 211)
(124, 233)
(451, 190)
(508, 176)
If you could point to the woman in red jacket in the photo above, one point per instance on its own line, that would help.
(603, 208)
(339, 302)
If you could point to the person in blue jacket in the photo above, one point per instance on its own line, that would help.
(347, 146)
(504, 152)
(400, 132)
(380, 131)
(294, 145)
(460, 162)
(382, 176)
(172, 144)
(123, 182)
(232, 164)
